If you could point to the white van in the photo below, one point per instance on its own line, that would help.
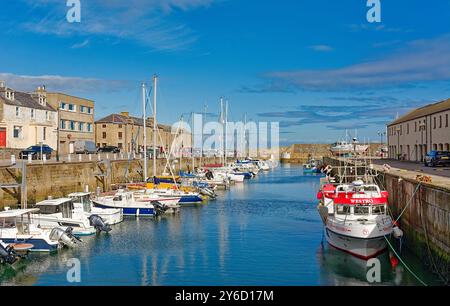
(85, 147)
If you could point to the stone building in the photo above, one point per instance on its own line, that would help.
(26, 119)
(126, 132)
(411, 136)
(76, 120)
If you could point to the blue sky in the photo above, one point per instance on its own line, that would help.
(318, 67)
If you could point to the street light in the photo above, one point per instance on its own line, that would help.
(381, 134)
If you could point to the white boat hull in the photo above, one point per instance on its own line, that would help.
(359, 247)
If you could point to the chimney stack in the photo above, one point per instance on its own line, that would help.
(125, 114)
(2, 84)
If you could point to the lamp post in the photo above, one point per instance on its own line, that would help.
(398, 142)
(381, 134)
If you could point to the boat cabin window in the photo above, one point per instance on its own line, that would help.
(49, 209)
(23, 225)
(117, 198)
(378, 210)
(343, 210)
(361, 210)
(65, 208)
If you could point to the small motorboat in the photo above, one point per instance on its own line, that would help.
(18, 229)
(82, 204)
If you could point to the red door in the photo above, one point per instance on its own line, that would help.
(2, 138)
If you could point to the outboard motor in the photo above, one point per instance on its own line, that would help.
(208, 192)
(8, 255)
(65, 237)
(160, 209)
(209, 175)
(99, 224)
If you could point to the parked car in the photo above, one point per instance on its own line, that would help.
(108, 149)
(437, 158)
(35, 152)
(85, 147)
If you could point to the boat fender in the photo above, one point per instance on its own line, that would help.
(397, 232)
(393, 260)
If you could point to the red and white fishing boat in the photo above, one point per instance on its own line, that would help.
(355, 218)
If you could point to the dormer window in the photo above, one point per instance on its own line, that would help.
(9, 95)
(42, 100)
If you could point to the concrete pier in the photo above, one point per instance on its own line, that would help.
(426, 219)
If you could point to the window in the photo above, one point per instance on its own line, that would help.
(63, 124)
(440, 121)
(120, 135)
(32, 113)
(378, 210)
(415, 126)
(407, 128)
(72, 108)
(63, 105)
(120, 126)
(17, 111)
(82, 109)
(104, 126)
(72, 125)
(89, 127)
(434, 122)
(44, 133)
(446, 120)
(361, 210)
(17, 132)
(104, 144)
(89, 110)
(104, 135)
(81, 126)
(120, 145)
(47, 115)
(343, 209)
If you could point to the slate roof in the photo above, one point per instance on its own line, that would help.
(423, 111)
(23, 99)
(121, 119)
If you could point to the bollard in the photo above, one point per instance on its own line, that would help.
(99, 157)
(30, 158)
(80, 157)
(90, 157)
(134, 155)
(107, 156)
(13, 159)
(44, 158)
(121, 155)
(115, 156)
(86, 188)
(69, 158)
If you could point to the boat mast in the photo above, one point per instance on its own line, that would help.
(203, 124)
(144, 111)
(226, 132)
(155, 125)
(192, 143)
(222, 122)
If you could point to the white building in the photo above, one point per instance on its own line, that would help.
(26, 119)
(424, 129)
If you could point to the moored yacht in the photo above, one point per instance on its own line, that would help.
(82, 204)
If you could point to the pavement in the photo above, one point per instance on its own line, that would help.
(414, 166)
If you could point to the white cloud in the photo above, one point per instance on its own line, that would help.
(81, 45)
(61, 83)
(148, 22)
(321, 48)
(418, 61)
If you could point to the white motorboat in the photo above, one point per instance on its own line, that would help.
(82, 204)
(344, 148)
(355, 218)
(136, 203)
(17, 227)
(60, 213)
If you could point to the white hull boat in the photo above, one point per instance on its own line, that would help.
(83, 204)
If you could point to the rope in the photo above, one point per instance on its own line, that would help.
(403, 263)
(409, 202)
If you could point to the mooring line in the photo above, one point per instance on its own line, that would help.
(409, 202)
(404, 264)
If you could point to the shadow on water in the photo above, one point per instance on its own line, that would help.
(263, 232)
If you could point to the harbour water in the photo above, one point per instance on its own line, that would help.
(264, 232)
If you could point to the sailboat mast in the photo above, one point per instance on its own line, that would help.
(192, 143)
(226, 131)
(155, 125)
(222, 121)
(144, 111)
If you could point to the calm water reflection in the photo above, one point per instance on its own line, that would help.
(265, 232)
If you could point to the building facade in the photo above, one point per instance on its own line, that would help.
(424, 129)
(26, 119)
(126, 132)
(76, 120)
